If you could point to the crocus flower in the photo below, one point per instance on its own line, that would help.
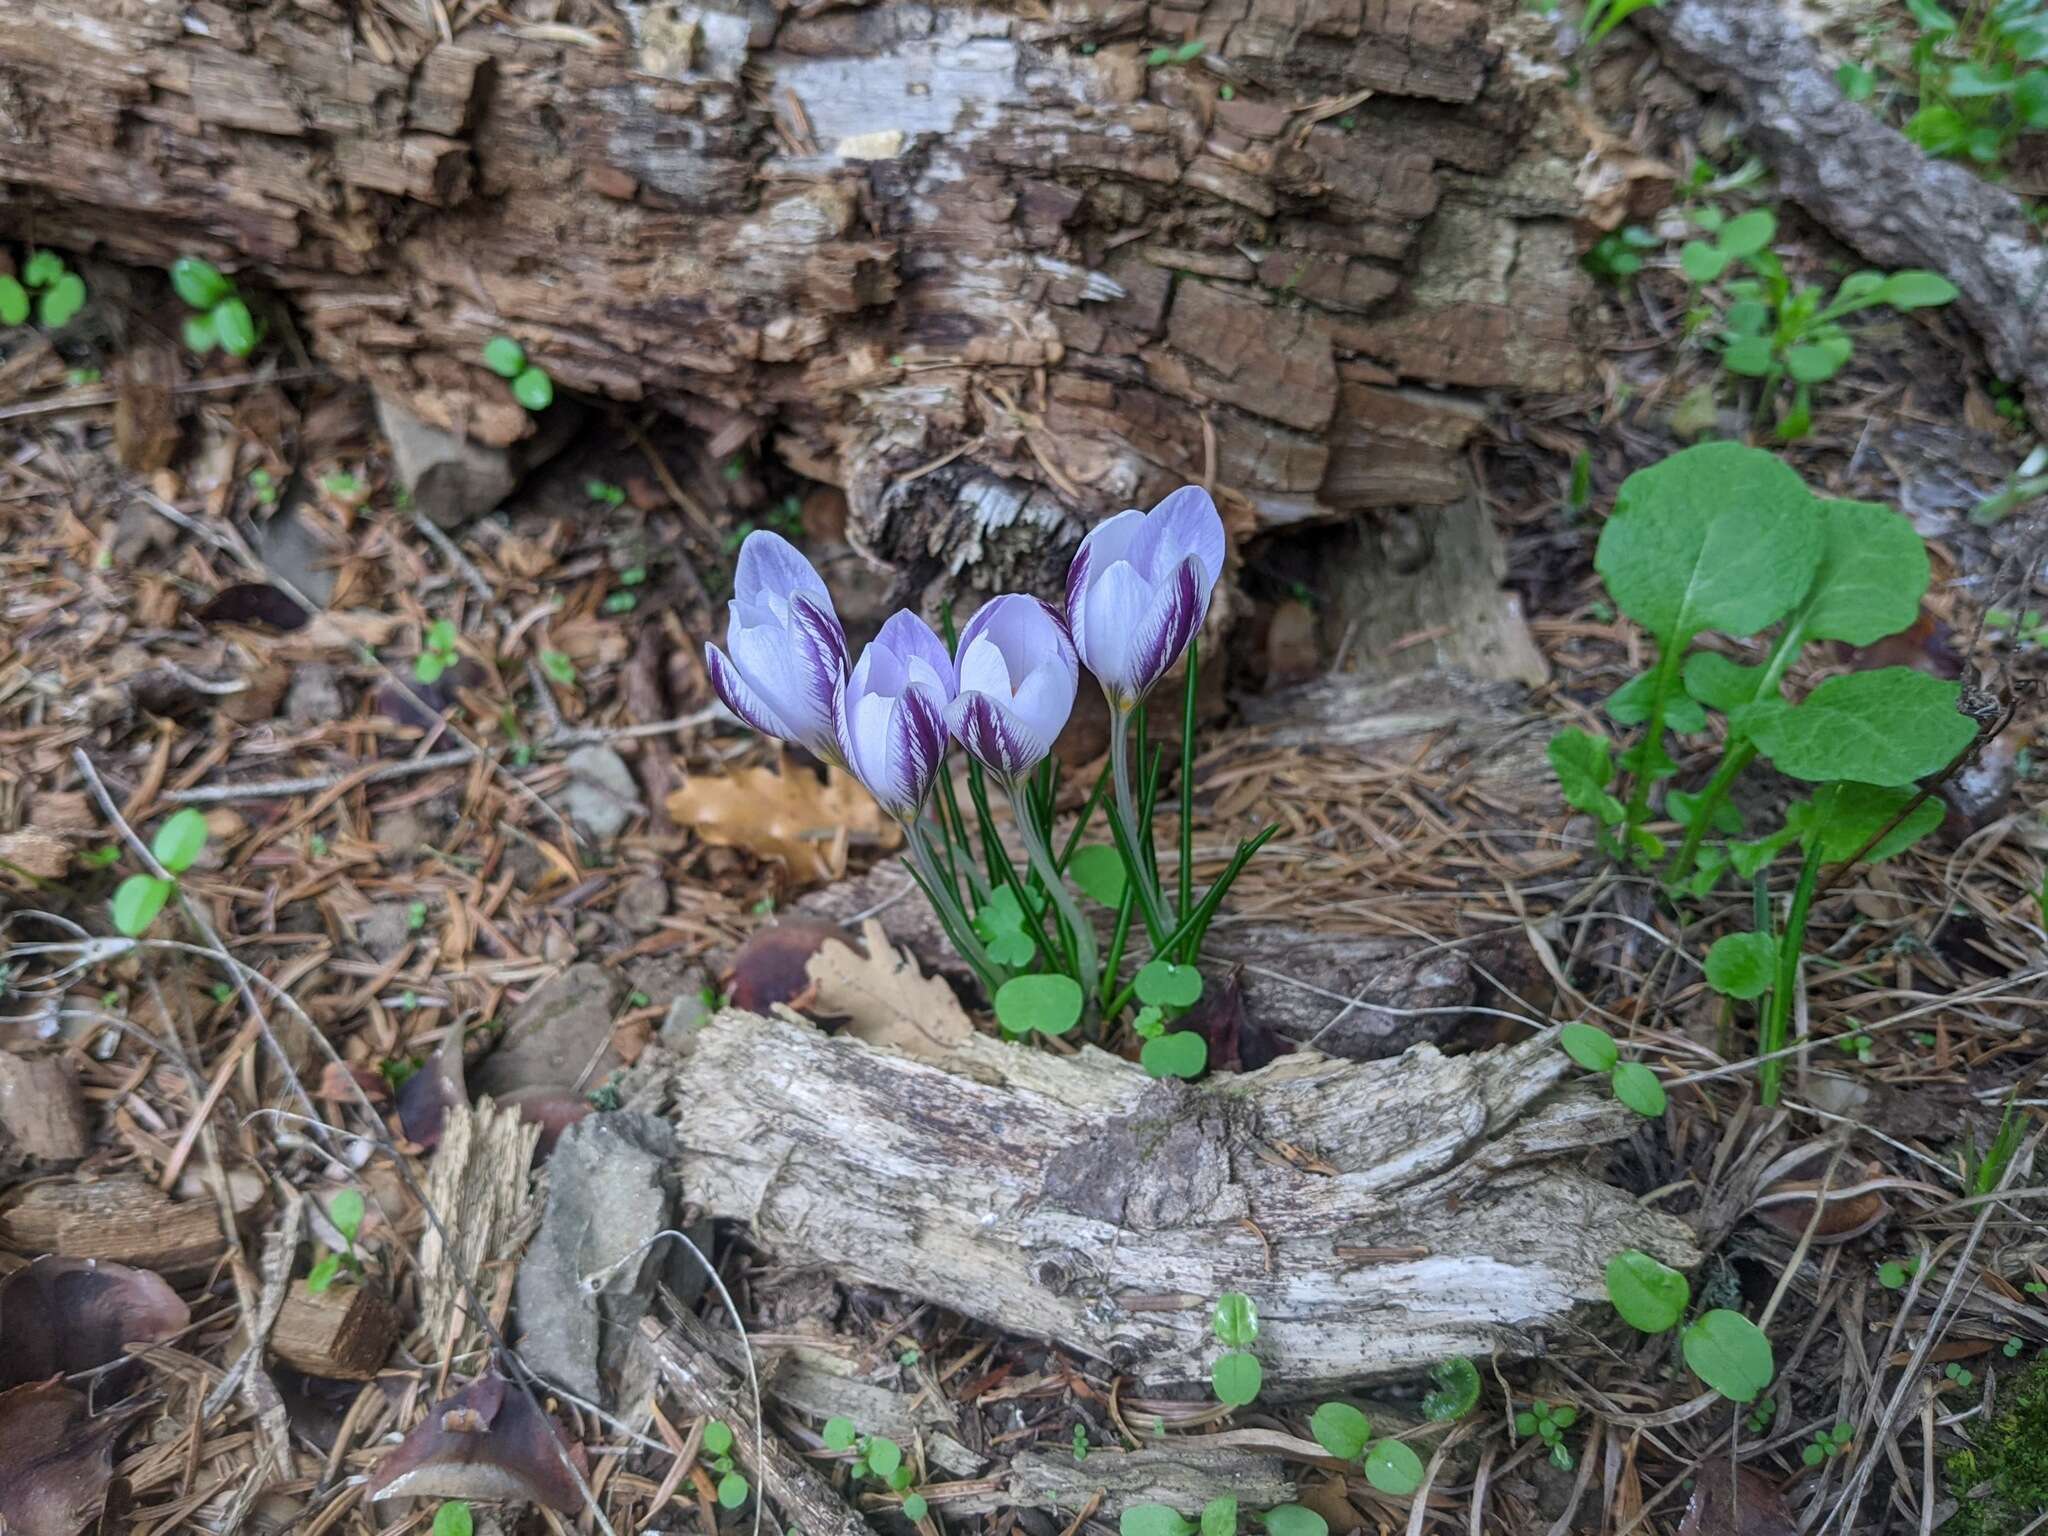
(788, 658)
(1018, 671)
(892, 714)
(1139, 589)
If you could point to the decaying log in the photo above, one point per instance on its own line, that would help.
(1866, 181)
(124, 1218)
(1178, 1476)
(981, 264)
(1382, 1214)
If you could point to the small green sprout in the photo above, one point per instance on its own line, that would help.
(1760, 1416)
(1548, 1423)
(1958, 1375)
(1828, 1444)
(2012, 1347)
(439, 654)
(1594, 1049)
(531, 386)
(80, 378)
(61, 292)
(221, 316)
(604, 492)
(139, 898)
(454, 1519)
(1237, 1375)
(1893, 1274)
(732, 1485)
(263, 485)
(621, 602)
(341, 483)
(1080, 1442)
(345, 1211)
(1618, 255)
(415, 916)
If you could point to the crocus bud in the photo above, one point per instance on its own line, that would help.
(1017, 675)
(892, 714)
(788, 653)
(1139, 589)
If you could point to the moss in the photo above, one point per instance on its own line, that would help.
(2008, 1458)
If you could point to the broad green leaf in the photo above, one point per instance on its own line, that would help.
(1650, 1296)
(1730, 1354)
(1219, 1516)
(1858, 286)
(1184, 1053)
(1684, 807)
(1166, 985)
(1393, 1469)
(1846, 816)
(839, 1434)
(534, 389)
(732, 1491)
(61, 300)
(1049, 1004)
(1714, 537)
(915, 1507)
(1856, 82)
(1815, 361)
(1700, 261)
(1457, 1390)
(1630, 705)
(137, 900)
(884, 1456)
(1707, 217)
(1719, 683)
(321, 1277)
(1637, 1087)
(42, 269)
(1930, 17)
(1749, 356)
(1747, 233)
(718, 1438)
(1236, 1378)
(13, 302)
(1917, 290)
(1341, 1430)
(2030, 100)
(1873, 573)
(200, 335)
(345, 1210)
(1742, 964)
(1235, 1321)
(1294, 1520)
(1968, 80)
(1590, 1046)
(428, 666)
(504, 357)
(1890, 726)
(234, 327)
(1584, 766)
(199, 283)
(1099, 871)
(1153, 1520)
(180, 840)
(454, 1519)
(1748, 318)
(1937, 129)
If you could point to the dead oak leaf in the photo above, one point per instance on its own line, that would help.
(56, 1459)
(805, 822)
(885, 999)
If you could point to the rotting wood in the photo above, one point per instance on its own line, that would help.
(343, 1333)
(125, 1218)
(1179, 1477)
(1073, 1198)
(1866, 181)
(478, 1185)
(871, 238)
(42, 1110)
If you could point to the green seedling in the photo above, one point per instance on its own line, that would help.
(1456, 1390)
(1237, 1375)
(558, 667)
(1979, 84)
(1893, 1274)
(1184, 53)
(454, 1519)
(1828, 1444)
(877, 1457)
(439, 653)
(717, 1446)
(263, 486)
(1633, 1083)
(345, 1211)
(1619, 254)
(1080, 1442)
(176, 846)
(1962, 1378)
(1548, 1423)
(220, 316)
(531, 386)
(603, 492)
(59, 292)
(341, 483)
(1760, 1416)
(1346, 1433)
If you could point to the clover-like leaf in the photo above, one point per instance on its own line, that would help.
(718, 1438)
(1713, 537)
(732, 1491)
(1183, 1054)
(1701, 262)
(1742, 965)
(1729, 1353)
(534, 389)
(1637, 1087)
(61, 300)
(1457, 1390)
(1166, 985)
(1153, 1520)
(199, 283)
(915, 1507)
(42, 269)
(137, 900)
(504, 357)
(1888, 726)
(1294, 1520)
(200, 335)
(839, 1434)
(1650, 1296)
(1235, 1322)
(1584, 765)
(1393, 1469)
(1341, 1430)
(1098, 870)
(884, 1456)
(1050, 1004)
(1219, 1516)
(1590, 1046)
(1236, 1378)
(1747, 233)
(13, 302)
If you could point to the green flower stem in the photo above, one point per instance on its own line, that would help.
(1670, 659)
(1118, 938)
(1778, 1021)
(1087, 815)
(956, 835)
(932, 879)
(1195, 925)
(1081, 934)
(1148, 765)
(1125, 826)
(1187, 778)
(1738, 753)
(1000, 871)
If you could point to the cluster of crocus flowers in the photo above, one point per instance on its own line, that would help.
(1136, 595)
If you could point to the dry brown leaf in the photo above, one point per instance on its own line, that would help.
(792, 816)
(56, 1459)
(885, 998)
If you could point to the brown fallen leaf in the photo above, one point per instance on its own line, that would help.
(55, 1459)
(770, 967)
(885, 998)
(1747, 1505)
(793, 816)
(59, 1316)
(486, 1442)
(1787, 1202)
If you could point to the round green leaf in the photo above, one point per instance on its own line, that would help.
(1637, 1087)
(1457, 1390)
(42, 269)
(1888, 726)
(1341, 1430)
(1235, 1321)
(179, 841)
(454, 1519)
(1184, 1054)
(1747, 233)
(234, 327)
(1294, 1520)
(1166, 985)
(1811, 362)
(1713, 537)
(1650, 1296)
(718, 1438)
(1917, 290)
(1393, 1468)
(1590, 1046)
(13, 302)
(1236, 1378)
(1749, 356)
(884, 1456)
(63, 299)
(732, 1491)
(1700, 261)
(504, 357)
(534, 390)
(1729, 1353)
(1153, 1520)
(345, 1210)
(840, 1434)
(200, 335)
(199, 283)
(1219, 1516)
(1873, 573)
(1742, 965)
(137, 900)
(1049, 1004)
(915, 1507)
(1098, 869)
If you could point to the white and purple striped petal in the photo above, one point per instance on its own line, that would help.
(1018, 671)
(891, 720)
(1139, 589)
(784, 661)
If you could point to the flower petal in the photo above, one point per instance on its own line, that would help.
(774, 570)
(986, 728)
(1102, 548)
(922, 653)
(1113, 609)
(735, 695)
(821, 652)
(1185, 523)
(1176, 613)
(917, 744)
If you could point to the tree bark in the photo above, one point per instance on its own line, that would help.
(981, 265)
(1383, 1215)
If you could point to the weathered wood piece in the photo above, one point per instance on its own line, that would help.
(978, 263)
(125, 1218)
(344, 1333)
(1383, 1214)
(1180, 1477)
(42, 1111)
